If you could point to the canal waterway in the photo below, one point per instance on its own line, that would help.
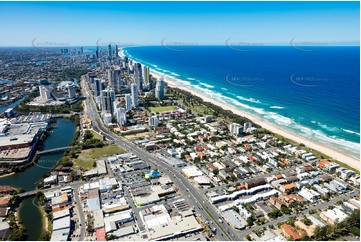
(61, 135)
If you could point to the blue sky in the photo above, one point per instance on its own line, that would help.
(148, 23)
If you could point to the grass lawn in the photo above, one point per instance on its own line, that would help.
(88, 157)
(162, 109)
(200, 109)
(96, 135)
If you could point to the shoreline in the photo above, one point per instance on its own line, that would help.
(332, 153)
(17, 218)
(7, 174)
(42, 215)
(45, 224)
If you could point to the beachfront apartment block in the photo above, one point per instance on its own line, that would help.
(235, 129)
(159, 90)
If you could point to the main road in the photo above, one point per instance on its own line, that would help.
(194, 197)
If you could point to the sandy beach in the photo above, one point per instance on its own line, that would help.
(337, 155)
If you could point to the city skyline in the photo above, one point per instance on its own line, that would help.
(178, 23)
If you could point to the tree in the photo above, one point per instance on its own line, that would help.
(89, 228)
(17, 234)
(88, 135)
(248, 207)
(275, 213)
(14, 201)
(45, 236)
(306, 221)
(236, 209)
(65, 161)
(74, 175)
(320, 233)
(354, 219)
(312, 211)
(330, 231)
(285, 210)
(111, 237)
(249, 221)
(305, 238)
(339, 203)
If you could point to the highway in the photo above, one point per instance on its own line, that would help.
(194, 197)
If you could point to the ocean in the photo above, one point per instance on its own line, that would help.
(311, 91)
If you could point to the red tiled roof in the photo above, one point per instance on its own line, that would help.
(6, 189)
(288, 186)
(4, 200)
(289, 231)
(278, 176)
(323, 162)
(251, 158)
(100, 234)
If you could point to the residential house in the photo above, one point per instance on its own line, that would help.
(276, 202)
(288, 188)
(255, 182)
(289, 232)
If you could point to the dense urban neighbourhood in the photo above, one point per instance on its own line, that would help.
(150, 162)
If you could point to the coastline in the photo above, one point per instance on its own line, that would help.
(334, 154)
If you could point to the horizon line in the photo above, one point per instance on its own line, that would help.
(236, 44)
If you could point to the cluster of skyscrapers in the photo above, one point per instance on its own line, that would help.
(126, 78)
